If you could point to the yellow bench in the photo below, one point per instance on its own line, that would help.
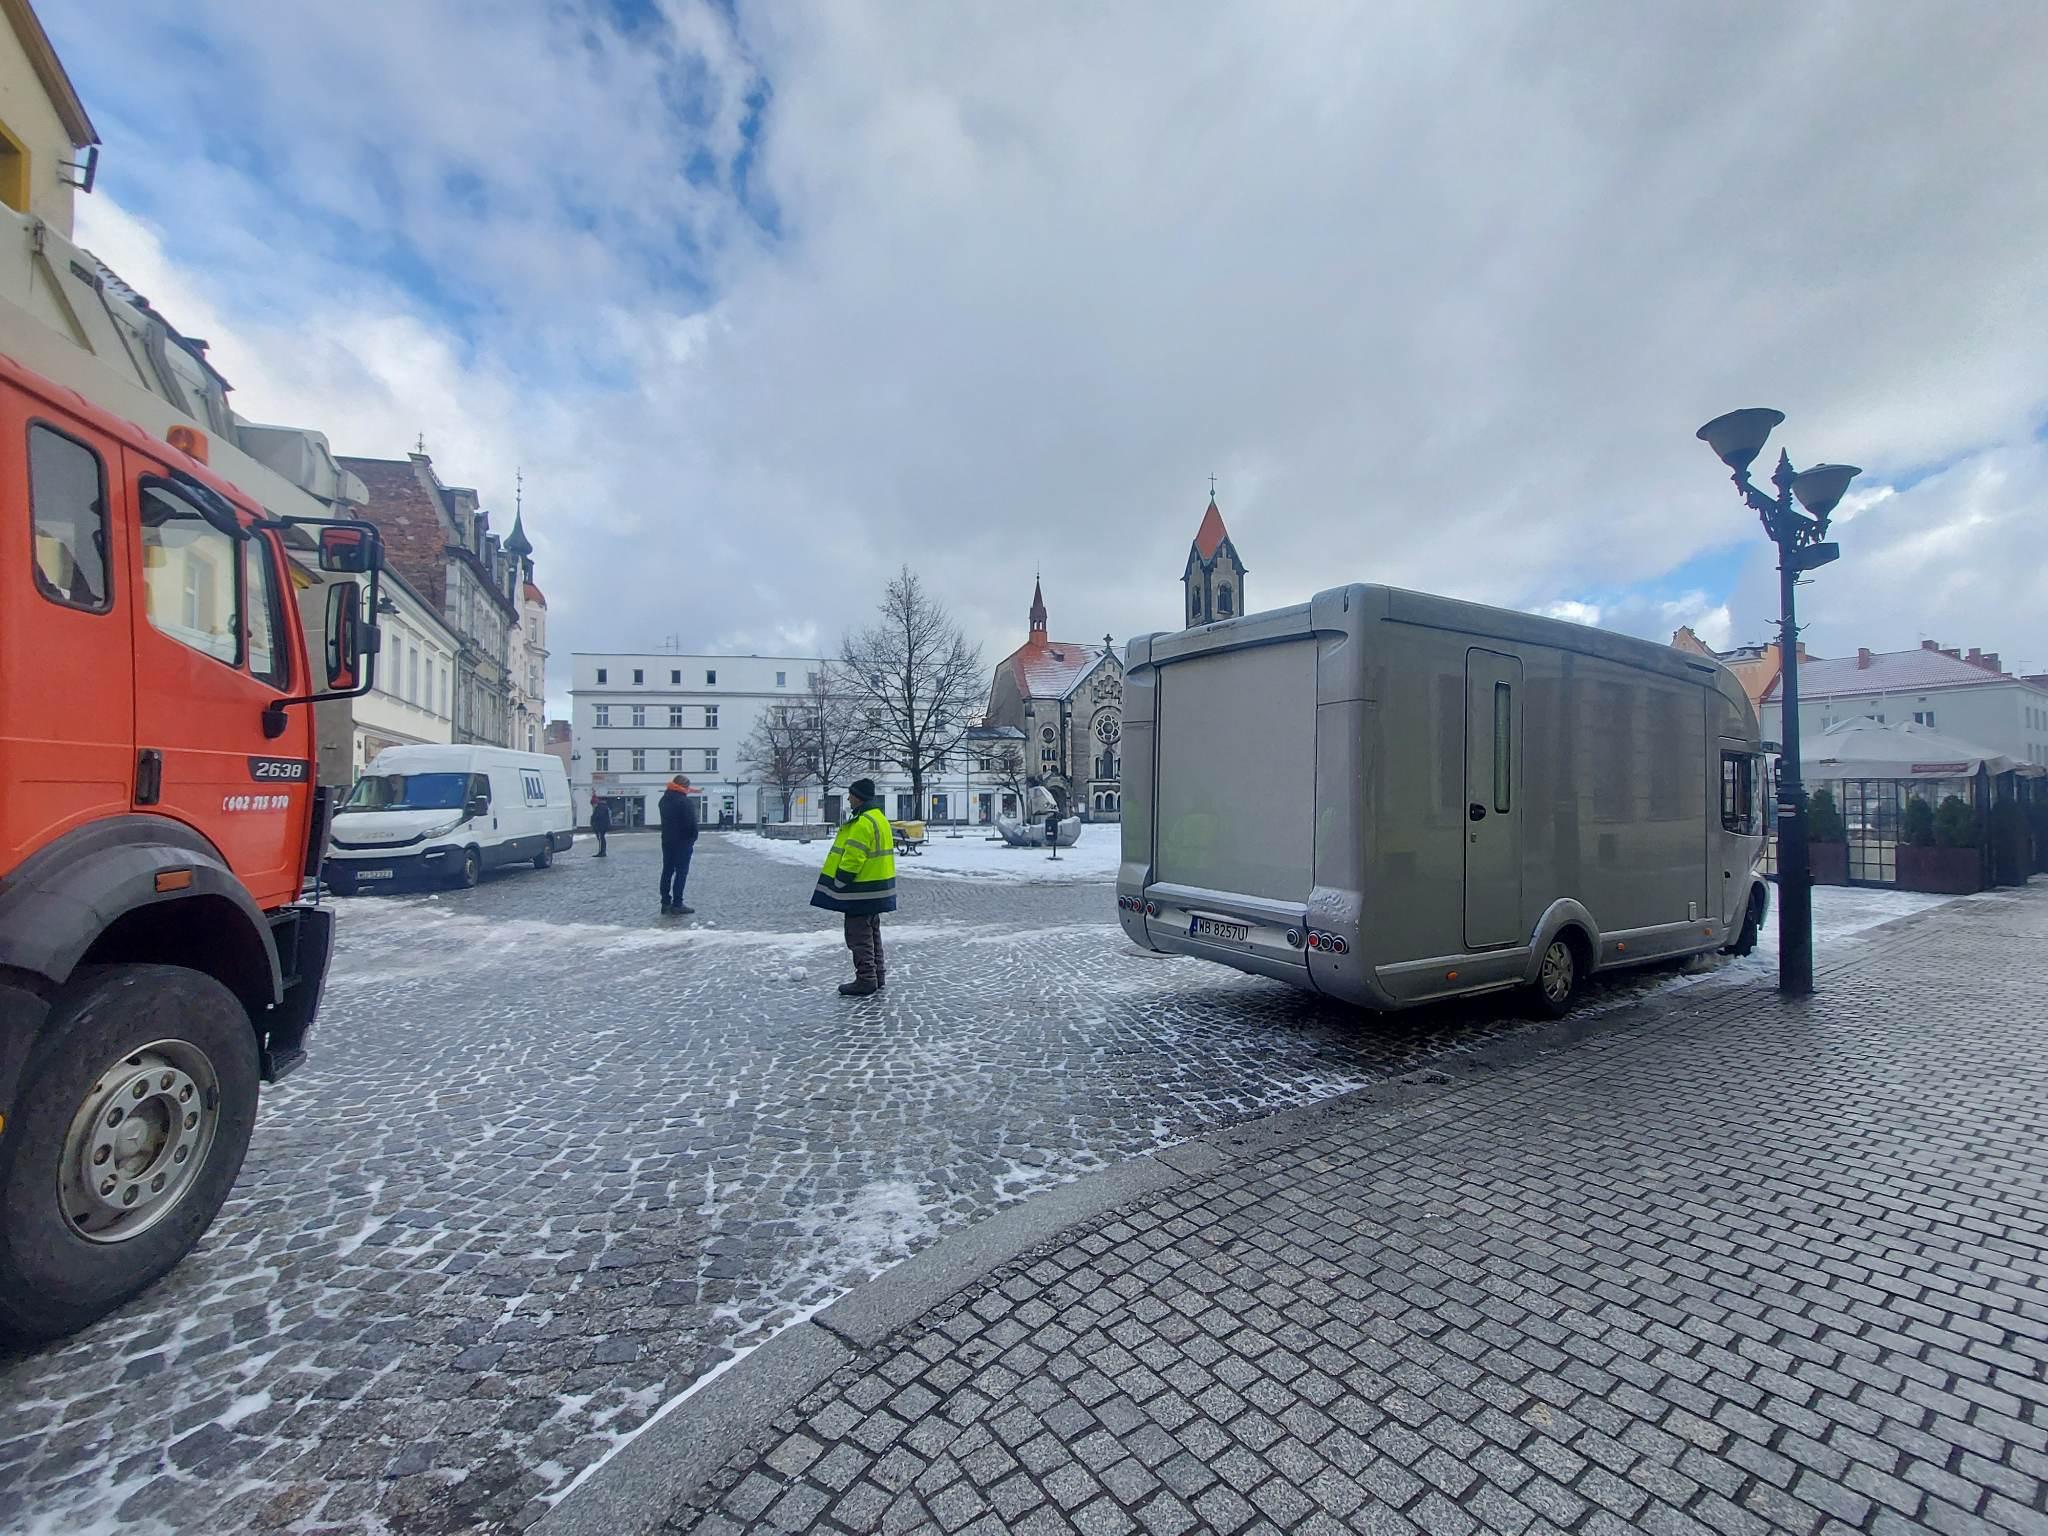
(909, 836)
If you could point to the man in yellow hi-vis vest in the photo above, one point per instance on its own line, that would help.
(859, 880)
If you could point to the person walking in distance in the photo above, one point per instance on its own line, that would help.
(678, 842)
(859, 881)
(600, 823)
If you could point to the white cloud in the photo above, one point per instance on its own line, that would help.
(1438, 292)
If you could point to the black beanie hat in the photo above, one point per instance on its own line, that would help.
(863, 789)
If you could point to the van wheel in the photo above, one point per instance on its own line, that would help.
(472, 869)
(132, 1122)
(1557, 982)
(1752, 924)
(546, 857)
(342, 882)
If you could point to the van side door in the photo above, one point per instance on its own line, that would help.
(1493, 774)
(67, 679)
(213, 648)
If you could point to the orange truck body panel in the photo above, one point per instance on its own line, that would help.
(87, 689)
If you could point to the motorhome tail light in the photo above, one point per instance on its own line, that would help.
(1294, 938)
(1328, 943)
(1151, 909)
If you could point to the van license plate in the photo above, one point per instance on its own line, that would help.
(375, 874)
(1209, 928)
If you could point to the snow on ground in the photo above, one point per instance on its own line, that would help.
(971, 856)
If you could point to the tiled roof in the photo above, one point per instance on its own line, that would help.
(1210, 536)
(1888, 672)
(1050, 669)
(533, 595)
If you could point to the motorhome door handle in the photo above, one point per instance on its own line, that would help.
(1476, 811)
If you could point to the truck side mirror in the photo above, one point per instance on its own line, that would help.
(344, 635)
(351, 550)
(479, 805)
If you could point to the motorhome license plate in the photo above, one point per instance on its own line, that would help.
(1209, 928)
(375, 874)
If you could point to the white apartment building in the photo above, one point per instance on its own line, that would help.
(413, 700)
(639, 717)
(1969, 698)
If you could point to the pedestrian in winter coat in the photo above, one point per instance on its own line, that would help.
(678, 842)
(859, 881)
(600, 823)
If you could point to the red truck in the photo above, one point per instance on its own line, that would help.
(160, 828)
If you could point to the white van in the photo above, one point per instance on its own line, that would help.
(1391, 798)
(449, 813)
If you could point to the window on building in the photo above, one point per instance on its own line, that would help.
(639, 714)
(675, 677)
(67, 492)
(938, 807)
(412, 675)
(601, 761)
(1924, 717)
(639, 677)
(675, 717)
(188, 577)
(639, 760)
(710, 717)
(267, 659)
(711, 678)
(711, 759)
(811, 680)
(675, 759)
(600, 674)
(1223, 602)
(782, 679)
(14, 181)
(601, 717)
(874, 762)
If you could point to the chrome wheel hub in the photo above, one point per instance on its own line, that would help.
(138, 1140)
(1557, 971)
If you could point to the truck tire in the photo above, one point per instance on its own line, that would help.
(1556, 986)
(1752, 924)
(546, 857)
(472, 869)
(133, 1118)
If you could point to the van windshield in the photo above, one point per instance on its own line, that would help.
(407, 792)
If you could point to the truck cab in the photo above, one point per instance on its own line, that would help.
(159, 821)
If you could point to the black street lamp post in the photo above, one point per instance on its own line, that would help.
(1737, 438)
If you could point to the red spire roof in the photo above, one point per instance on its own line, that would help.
(1210, 536)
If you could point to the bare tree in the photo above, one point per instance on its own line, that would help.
(834, 728)
(915, 680)
(1011, 772)
(775, 753)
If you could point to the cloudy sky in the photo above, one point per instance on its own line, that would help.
(765, 302)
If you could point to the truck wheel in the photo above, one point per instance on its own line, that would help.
(341, 881)
(1752, 922)
(546, 857)
(135, 1113)
(1557, 982)
(472, 869)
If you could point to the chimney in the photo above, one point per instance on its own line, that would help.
(1991, 661)
(1951, 653)
(1862, 658)
(1976, 656)
(1930, 645)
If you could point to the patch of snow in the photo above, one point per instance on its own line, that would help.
(1095, 858)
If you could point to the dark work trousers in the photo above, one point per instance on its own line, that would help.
(864, 938)
(675, 873)
(599, 832)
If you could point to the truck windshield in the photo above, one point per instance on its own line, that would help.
(407, 792)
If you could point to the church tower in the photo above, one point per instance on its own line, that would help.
(1214, 579)
(1037, 614)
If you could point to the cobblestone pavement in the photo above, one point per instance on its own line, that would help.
(1759, 1267)
(553, 1157)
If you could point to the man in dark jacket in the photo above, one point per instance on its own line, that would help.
(678, 842)
(600, 823)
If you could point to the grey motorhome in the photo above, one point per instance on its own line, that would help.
(1390, 798)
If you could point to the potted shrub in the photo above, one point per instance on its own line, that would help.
(1926, 863)
(1827, 840)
